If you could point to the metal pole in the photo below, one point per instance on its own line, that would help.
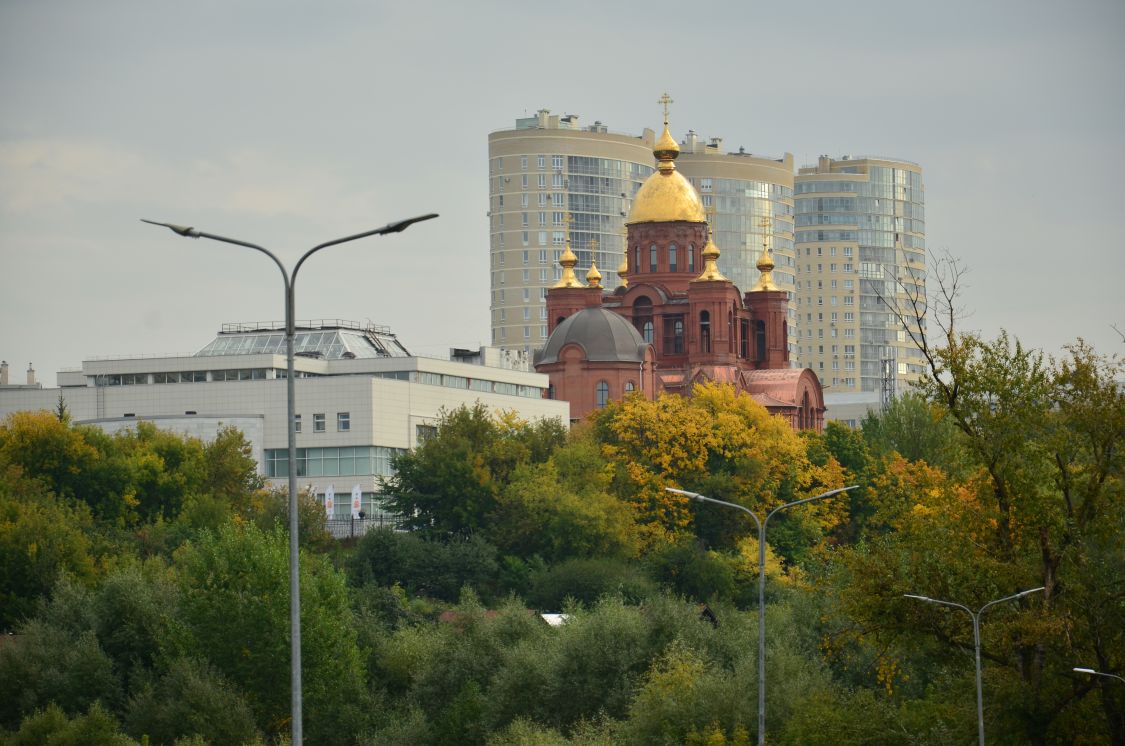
(762, 525)
(761, 631)
(980, 687)
(297, 725)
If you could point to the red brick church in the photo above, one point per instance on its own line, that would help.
(675, 320)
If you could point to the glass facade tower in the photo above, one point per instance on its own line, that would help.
(860, 253)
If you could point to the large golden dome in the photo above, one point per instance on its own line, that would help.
(666, 195)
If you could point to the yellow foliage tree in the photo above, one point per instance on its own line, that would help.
(717, 442)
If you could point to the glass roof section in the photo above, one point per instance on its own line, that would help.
(321, 340)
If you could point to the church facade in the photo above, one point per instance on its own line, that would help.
(675, 320)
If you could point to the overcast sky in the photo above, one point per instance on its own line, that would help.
(291, 123)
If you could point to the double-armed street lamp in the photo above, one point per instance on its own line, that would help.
(290, 279)
(762, 525)
(976, 640)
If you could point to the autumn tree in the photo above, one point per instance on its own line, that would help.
(719, 443)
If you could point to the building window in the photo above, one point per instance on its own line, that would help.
(704, 331)
(523, 162)
(674, 335)
(672, 258)
(541, 161)
(343, 421)
(646, 331)
(691, 257)
(630, 387)
(557, 162)
(318, 423)
(602, 392)
(652, 258)
(422, 433)
(297, 423)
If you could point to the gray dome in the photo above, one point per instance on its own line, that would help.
(604, 335)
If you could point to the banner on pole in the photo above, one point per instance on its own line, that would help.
(357, 500)
(329, 501)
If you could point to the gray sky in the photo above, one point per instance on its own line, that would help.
(290, 123)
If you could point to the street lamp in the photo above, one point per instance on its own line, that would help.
(290, 280)
(1092, 672)
(762, 525)
(976, 640)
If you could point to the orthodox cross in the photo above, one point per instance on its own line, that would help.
(665, 100)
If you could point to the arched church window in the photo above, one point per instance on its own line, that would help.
(704, 331)
(602, 393)
(646, 331)
(652, 258)
(672, 258)
(630, 387)
(691, 257)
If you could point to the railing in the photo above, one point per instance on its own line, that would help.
(351, 528)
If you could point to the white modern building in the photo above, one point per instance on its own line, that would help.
(361, 398)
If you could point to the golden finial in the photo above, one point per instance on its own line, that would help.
(594, 277)
(710, 254)
(765, 261)
(568, 261)
(666, 149)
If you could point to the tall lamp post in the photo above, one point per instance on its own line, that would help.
(762, 525)
(976, 640)
(290, 280)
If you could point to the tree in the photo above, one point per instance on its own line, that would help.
(41, 539)
(450, 483)
(1041, 439)
(236, 606)
(719, 443)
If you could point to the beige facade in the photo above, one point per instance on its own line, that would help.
(860, 250)
(551, 168)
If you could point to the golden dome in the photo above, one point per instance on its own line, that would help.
(666, 195)
(594, 277)
(765, 266)
(568, 260)
(765, 260)
(623, 272)
(710, 255)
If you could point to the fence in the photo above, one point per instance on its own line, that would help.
(351, 528)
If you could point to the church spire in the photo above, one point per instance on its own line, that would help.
(710, 255)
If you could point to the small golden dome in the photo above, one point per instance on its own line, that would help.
(568, 260)
(765, 266)
(594, 277)
(623, 272)
(711, 271)
(765, 260)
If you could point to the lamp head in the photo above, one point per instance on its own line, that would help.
(685, 493)
(1085, 670)
(920, 598)
(402, 225)
(183, 230)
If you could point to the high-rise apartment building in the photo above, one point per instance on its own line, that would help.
(860, 250)
(550, 177)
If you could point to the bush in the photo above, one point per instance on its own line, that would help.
(432, 568)
(191, 699)
(587, 580)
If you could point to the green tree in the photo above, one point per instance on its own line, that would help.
(41, 539)
(235, 585)
(450, 483)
